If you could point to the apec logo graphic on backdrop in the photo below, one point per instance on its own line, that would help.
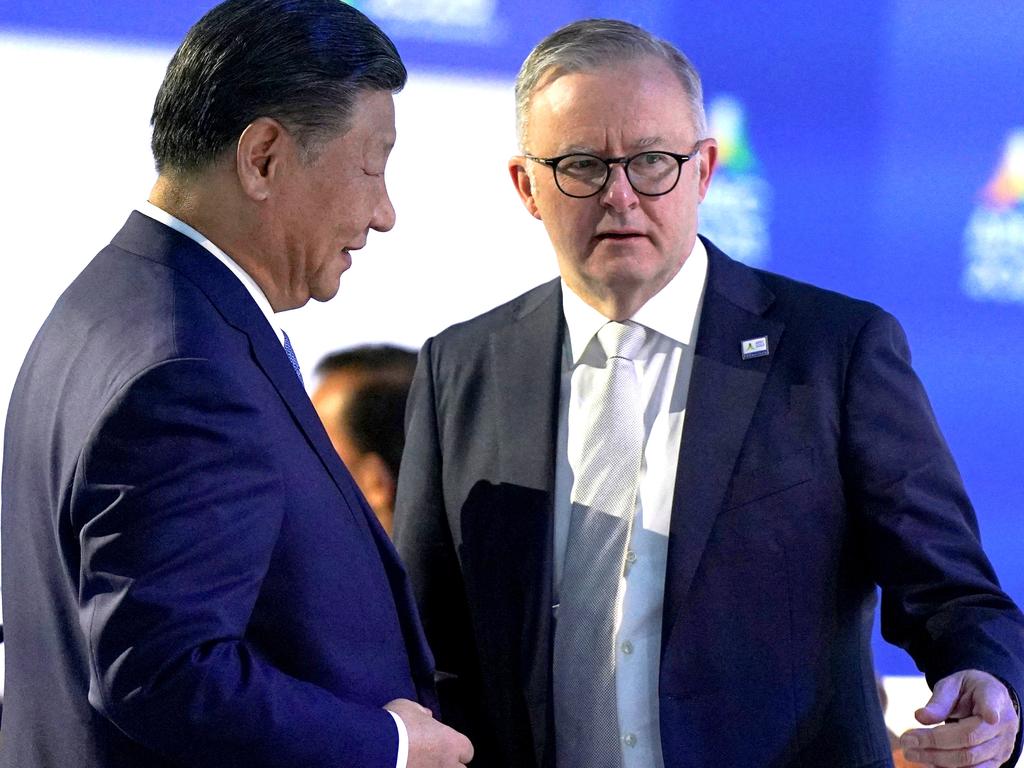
(737, 210)
(994, 238)
(437, 20)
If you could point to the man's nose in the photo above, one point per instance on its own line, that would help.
(384, 215)
(618, 193)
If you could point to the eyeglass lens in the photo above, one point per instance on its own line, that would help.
(650, 173)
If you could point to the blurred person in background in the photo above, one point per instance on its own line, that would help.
(360, 396)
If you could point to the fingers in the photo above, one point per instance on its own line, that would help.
(431, 743)
(464, 748)
(940, 706)
(969, 743)
(403, 707)
(966, 693)
(989, 699)
(434, 745)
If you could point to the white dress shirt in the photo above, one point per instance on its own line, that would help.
(663, 369)
(158, 214)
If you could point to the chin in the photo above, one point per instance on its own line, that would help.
(325, 293)
(629, 270)
(325, 284)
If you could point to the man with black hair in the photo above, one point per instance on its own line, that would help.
(191, 578)
(360, 397)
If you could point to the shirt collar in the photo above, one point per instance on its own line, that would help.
(158, 214)
(672, 311)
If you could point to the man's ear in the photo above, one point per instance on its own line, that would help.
(258, 157)
(523, 183)
(708, 157)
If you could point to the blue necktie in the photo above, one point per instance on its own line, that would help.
(288, 350)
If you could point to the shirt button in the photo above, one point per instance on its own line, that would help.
(627, 647)
(629, 739)
(630, 556)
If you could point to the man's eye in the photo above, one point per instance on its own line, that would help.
(576, 164)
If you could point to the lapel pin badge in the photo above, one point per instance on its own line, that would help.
(751, 348)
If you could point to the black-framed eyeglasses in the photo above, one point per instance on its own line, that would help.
(649, 173)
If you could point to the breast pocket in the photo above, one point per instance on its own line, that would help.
(769, 478)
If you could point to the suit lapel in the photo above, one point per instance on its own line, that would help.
(525, 357)
(152, 240)
(724, 390)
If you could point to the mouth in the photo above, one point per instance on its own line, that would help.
(345, 258)
(619, 236)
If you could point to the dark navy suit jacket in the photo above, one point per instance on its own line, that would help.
(806, 478)
(190, 576)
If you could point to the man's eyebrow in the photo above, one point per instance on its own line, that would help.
(573, 149)
(646, 141)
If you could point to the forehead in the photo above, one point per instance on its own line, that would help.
(624, 103)
(371, 123)
(334, 390)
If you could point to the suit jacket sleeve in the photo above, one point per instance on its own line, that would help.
(177, 505)
(941, 600)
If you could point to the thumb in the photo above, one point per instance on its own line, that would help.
(940, 705)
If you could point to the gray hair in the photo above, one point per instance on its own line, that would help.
(592, 43)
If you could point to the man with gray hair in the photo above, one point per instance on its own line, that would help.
(190, 575)
(646, 506)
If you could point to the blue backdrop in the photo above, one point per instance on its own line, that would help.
(868, 148)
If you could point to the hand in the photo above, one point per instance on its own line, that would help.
(431, 744)
(979, 724)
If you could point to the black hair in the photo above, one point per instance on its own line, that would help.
(301, 62)
(374, 418)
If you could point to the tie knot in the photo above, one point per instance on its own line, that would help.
(621, 339)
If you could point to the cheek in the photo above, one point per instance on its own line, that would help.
(348, 212)
(576, 218)
(565, 229)
(550, 202)
(357, 204)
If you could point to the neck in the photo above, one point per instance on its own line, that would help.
(618, 302)
(209, 204)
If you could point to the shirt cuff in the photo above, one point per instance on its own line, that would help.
(403, 741)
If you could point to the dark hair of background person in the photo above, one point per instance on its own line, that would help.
(375, 420)
(375, 417)
(300, 62)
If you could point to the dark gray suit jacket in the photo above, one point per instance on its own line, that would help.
(805, 479)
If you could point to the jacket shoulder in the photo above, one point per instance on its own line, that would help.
(787, 299)
(477, 330)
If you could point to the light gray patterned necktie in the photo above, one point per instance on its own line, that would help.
(603, 504)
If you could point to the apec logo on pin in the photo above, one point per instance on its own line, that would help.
(751, 348)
